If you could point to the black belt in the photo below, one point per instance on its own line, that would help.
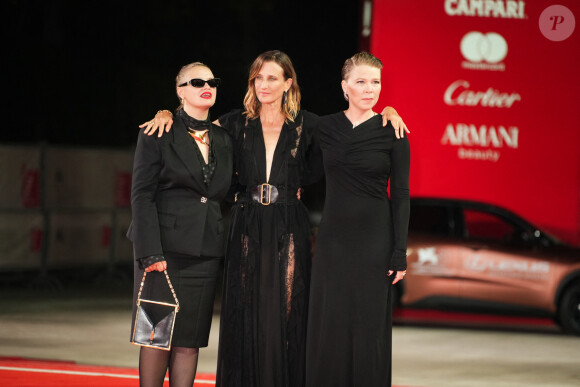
(266, 194)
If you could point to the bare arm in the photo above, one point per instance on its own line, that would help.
(162, 122)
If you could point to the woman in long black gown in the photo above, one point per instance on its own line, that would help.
(267, 270)
(361, 240)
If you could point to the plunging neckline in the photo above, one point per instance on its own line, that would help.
(266, 175)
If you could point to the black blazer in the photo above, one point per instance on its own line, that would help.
(173, 210)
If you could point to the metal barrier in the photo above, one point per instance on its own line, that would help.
(63, 207)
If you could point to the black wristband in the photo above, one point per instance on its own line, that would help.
(145, 262)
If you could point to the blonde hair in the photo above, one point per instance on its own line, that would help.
(291, 101)
(180, 78)
(361, 58)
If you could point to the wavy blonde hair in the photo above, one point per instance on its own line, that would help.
(291, 101)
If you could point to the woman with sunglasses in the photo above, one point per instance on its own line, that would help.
(179, 181)
(268, 260)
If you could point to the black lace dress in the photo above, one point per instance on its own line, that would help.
(268, 260)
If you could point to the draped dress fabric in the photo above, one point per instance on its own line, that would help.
(362, 235)
(268, 259)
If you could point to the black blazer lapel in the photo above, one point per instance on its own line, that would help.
(183, 147)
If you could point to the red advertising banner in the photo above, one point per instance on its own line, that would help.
(490, 90)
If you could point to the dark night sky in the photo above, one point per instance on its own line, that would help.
(88, 72)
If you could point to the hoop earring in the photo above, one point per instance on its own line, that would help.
(345, 95)
(285, 98)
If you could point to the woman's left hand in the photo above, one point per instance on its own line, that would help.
(399, 276)
(390, 114)
(157, 266)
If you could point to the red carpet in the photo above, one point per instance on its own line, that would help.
(19, 372)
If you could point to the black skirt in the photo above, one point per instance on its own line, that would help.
(194, 280)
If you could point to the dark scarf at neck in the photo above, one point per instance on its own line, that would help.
(193, 124)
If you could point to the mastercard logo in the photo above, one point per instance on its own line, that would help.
(478, 47)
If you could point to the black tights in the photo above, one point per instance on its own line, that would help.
(181, 362)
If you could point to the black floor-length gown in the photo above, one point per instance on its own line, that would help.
(268, 260)
(362, 235)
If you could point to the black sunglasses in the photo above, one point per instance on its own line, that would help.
(196, 82)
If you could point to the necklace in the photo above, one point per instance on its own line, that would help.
(200, 136)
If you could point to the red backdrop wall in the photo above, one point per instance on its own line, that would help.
(490, 90)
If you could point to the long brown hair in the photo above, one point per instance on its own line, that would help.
(291, 101)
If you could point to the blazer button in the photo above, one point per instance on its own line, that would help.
(203, 199)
